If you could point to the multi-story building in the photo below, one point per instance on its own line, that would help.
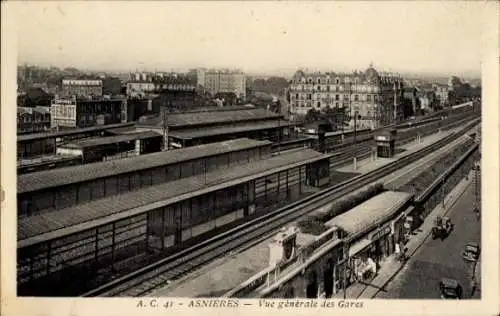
(225, 81)
(33, 119)
(442, 94)
(410, 96)
(427, 99)
(141, 84)
(81, 88)
(375, 98)
(84, 112)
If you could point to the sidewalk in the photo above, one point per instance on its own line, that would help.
(390, 268)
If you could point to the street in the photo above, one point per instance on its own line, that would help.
(437, 259)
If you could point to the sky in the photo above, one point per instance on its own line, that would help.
(257, 37)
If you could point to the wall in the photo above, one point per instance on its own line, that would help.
(63, 115)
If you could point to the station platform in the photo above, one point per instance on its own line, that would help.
(369, 164)
(222, 275)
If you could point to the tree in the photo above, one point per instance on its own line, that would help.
(312, 116)
(335, 116)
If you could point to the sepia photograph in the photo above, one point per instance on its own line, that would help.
(286, 154)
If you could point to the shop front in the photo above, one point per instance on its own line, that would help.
(368, 253)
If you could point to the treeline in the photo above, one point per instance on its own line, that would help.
(272, 85)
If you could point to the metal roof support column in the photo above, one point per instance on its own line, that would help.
(148, 219)
(300, 180)
(279, 182)
(96, 251)
(287, 188)
(163, 228)
(265, 188)
(49, 249)
(113, 240)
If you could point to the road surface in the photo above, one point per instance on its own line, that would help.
(436, 259)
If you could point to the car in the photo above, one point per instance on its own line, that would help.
(442, 228)
(450, 289)
(472, 251)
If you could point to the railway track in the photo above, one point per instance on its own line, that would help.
(151, 277)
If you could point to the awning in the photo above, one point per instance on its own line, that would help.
(359, 246)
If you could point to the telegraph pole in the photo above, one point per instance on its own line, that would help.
(165, 127)
(279, 133)
(355, 116)
(355, 145)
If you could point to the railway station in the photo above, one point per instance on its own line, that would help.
(36, 144)
(85, 240)
(362, 237)
(195, 128)
(65, 187)
(112, 147)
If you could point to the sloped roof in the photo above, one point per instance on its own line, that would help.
(63, 176)
(370, 212)
(210, 117)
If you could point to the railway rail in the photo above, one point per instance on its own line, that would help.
(141, 282)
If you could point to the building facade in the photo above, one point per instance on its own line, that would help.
(75, 112)
(33, 119)
(376, 98)
(223, 81)
(81, 88)
(141, 84)
(442, 94)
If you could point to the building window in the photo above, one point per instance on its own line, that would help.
(356, 97)
(336, 104)
(337, 97)
(328, 88)
(309, 97)
(368, 97)
(310, 80)
(346, 97)
(337, 81)
(318, 104)
(297, 96)
(318, 88)
(319, 80)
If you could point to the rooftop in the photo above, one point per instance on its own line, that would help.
(58, 223)
(212, 131)
(368, 213)
(210, 117)
(38, 136)
(64, 176)
(99, 141)
(46, 159)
